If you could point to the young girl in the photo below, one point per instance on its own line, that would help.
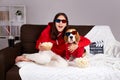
(53, 33)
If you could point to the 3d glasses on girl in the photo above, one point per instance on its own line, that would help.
(58, 21)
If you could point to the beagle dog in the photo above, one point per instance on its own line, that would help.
(72, 37)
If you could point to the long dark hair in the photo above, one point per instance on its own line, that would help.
(54, 32)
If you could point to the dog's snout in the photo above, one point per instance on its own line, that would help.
(71, 37)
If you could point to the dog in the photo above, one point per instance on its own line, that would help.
(72, 37)
(47, 58)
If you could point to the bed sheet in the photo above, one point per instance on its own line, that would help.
(101, 67)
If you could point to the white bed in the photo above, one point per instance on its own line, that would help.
(101, 66)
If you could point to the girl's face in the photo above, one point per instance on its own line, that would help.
(60, 23)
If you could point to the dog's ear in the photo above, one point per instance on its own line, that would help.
(66, 39)
(77, 37)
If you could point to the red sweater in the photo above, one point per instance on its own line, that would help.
(80, 50)
(58, 45)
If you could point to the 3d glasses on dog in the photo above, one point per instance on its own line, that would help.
(73, 32)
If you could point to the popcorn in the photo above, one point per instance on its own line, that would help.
(47, 45)
(81, 62)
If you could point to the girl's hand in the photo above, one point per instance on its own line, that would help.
(72, 47)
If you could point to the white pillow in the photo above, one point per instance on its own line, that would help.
(98, 33)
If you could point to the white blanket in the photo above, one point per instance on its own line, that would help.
(101, 66)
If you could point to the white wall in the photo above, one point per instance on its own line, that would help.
(82, 12)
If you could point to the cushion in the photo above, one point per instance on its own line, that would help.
(100, 34)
